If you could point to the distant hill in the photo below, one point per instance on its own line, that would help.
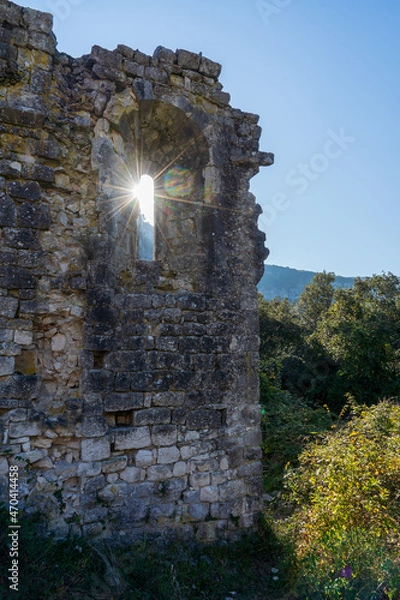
(284, 282)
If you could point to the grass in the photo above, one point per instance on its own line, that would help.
(255, 568)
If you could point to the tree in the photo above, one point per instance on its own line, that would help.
(316, 300)
(361, 332)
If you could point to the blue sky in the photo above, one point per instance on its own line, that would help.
(324, 77)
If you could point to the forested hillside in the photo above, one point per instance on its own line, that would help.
(284, 282)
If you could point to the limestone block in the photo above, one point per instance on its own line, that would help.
(28, 190)
(145, 458)
(4, 469)
(120, 402)
(91, 469)
(132, 474)
(180, 469)
(198, 480)
(18, 414)
(65, 471)
(20, 429)
(132, 438)
(58, 342)
(210, 68)
(168, 455)
(45, 463)
(95, 449)
(162, 511)
(164, 435)
(25, 363)
(232, 490)
(152, 416)
(170, 399)
(159, 472)
(164, 54)
(22, 337)
(32, 456)
(199, 511)
(8, 306)
(188, 60)
(8, 211)
(6, 365)
(209, 493)
(115, 464)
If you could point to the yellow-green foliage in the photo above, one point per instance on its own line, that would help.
(346, 494)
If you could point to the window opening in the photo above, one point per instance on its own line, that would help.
(145, 224)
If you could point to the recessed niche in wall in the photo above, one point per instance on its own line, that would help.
(122, 418)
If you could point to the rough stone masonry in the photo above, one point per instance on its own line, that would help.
(128, 387)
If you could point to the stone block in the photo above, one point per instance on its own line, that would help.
(28, 190)
(115, 464)
(98, 380)
(199, 511)
(89, 469)
(95, 449)
(8, 307)
(10, 13)
(231, 490)
(7, 364)
(210, 68)
(253, 437)
(168, 344)
(37, 21)
(58, 342)
(188, 60)
(198, 480)
(145, 458)
(25, 363)
(204, 418)
(209, 493)
(164, 55)
(132, 474)
(159, 472)
(24, 338)
(180, 469)
(132, 438)
(8, 211)
(119, 402)
(164, 435)
(42, 42)
(126, 51)
(250, 470)
(36, 216)
(152, 416)
(19, 429)
(23, 238)
(4, 468)
(170, 399)
(168, 455)
(32, 456)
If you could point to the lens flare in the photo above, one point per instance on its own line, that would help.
(144, 192)
(178, 182)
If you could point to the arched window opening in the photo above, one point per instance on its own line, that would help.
(145, 222)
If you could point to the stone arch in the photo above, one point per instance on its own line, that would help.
(152, 137)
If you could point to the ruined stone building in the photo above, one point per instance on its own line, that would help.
(128, 343)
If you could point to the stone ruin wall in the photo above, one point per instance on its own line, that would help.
(128, 388)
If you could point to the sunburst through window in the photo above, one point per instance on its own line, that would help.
(144, 193)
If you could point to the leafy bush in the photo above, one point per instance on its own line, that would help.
(288, 423)
(346, 499)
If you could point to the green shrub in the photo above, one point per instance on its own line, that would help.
(288, 423)
(346, 498)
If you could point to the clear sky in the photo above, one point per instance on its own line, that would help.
(324, 77)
